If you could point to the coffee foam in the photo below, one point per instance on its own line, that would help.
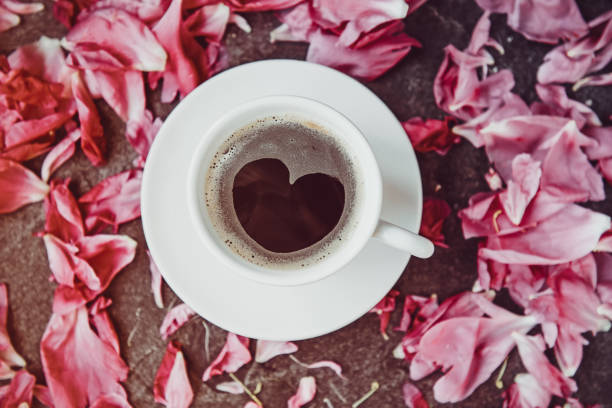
(305, 148)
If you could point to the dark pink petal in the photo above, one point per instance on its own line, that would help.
(41, 393)
(122, 90)
(59, 154)
(20, 391)
(413, 5)
(556, 103)
(305, 393)
(156, 282)
(19, 186)
(175, 319)
(8, 356)
(435, 212)
(100, 320)
(368, 62)
(79, 367)
(413, 397)
(171, 386)
(431, 134)
(356, 18)
(411, 304)
(525, 392)
(566, 170)
(140, 133)
(605, 167)
(113, 201)
(65, 264)
(108, 28)
(93, 142)
(234, 354)
(383, 309)
(63, 218)
(522, 188)
(181, 74)
(267, 350)
(261, 5)
(605, 242)
(547, 375)
(468, 350)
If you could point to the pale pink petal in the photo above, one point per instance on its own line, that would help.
(367, 62)
(536, 363)
(594, 80)
(522, 188)
(79, 367)
(332, 365)
(113, 201)
(431, 134)
(413, 398)
(297, 24)
(156, 282)
(93, 142)
(22, 8)
(555, 102)
(123, 91)
(140, 132)
(603, 148)
(525, 392)
(568, 350)
(493, 180)
(251, 404)
(100, 320)
(209, 21)
(305, 393)
(360, 17)
(231, 387)
(171, 386)
(19, 186)
(234, 354)
(8, 356)
(175, 319)
(8, 19)
(59, 154)
(266, 350)
(108, 28)
(20, 391)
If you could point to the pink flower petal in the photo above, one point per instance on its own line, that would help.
(209, 21)
(605, 167)
(22, 8)
(435, 212)
(175, 319)
(431, 134)
(411, 304)
(413, 398)
(383, 309)
(261, 5)
(108, 28)
(234, 354)
(367, 62)
(603, 147)
(231, 387)
(41, 392)
(19, 186)
(171, 386)
(79, 366)
(59, 154)
(547, 375)
(540, 20)
(93, 142)
(556, 103)
(8, 356)
(298, 24)
(111, 401)
(156, 282)
(20, 391)
(140, 133)
(525, 392)
(100, 320)
(65, 264)
(522, 188)
(332, 365)
(113, 201)
(568, 350)
(266, 350)
(305, 393)
(63, 218)
(251, 404)
(360, 17)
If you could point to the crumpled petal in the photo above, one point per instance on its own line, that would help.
(60, 153)
(79, 366)
(63, 218)
(367, 62)
(108, 28)
(541, 20)
(435, 212)
(156, 282)
(413, 398)
(298, 24)
(603, 147)
(8, 356)
(356, 18)
(175, 319)
(234, 354)
(171, 386)
(267, 350)
(19, 186)
(113, 201)
(383, 309)
(261, 5)
(93, 142)
(65, 264)
(536, 363)
(19, 392)
(210, 21)
(100, 320)
(411, 304)
(555, 102)
(305, 393)
(568, 349)
(522, 188)
(525, 392)
(431, 134)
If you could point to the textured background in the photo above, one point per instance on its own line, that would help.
(359, 348)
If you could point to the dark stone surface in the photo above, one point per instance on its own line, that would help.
(363, 353)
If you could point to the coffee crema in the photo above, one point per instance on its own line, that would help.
(282, 192)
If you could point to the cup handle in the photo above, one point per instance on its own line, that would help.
(403, 239)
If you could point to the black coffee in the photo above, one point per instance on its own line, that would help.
(282, 192)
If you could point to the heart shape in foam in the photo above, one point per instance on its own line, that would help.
(284, 217)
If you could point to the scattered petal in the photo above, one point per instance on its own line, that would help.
(305, 393)
(413, 398)
(522, 188)
(19, 392)
(431, 134)
(525, 392)
(435, 212)
(231, 387)
(8, 356)
(267, 350)
(93, 142)
(175, 319)
(59, 154)
(234, 354)
(156, 282)
(19, 186)
(383, 309)
(171, 386)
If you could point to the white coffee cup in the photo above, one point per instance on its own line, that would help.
(369, 226)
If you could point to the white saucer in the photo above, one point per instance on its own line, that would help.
(221, 295)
